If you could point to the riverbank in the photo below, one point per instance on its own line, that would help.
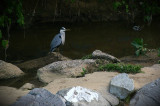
(98, 81)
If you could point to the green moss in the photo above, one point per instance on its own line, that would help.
(87, 57)
(122, 68)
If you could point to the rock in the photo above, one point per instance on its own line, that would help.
(97, 81)
(149, 95)
(8, 70)
(121, 85)
(70, 68)
(40, 62)
(79, 96)
(100, 55)
(9, 95)
(27, 86)
(39, 97)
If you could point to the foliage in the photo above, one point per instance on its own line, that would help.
(145, 8)
(5, 43)
(122, 3)
(158, 61)
(116, 5)
(129, 97)
(87, 57)
(84, 72)
(139, 45)
(10, 12)
(122, 68)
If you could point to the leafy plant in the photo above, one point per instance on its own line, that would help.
(116, 5)
(5, 43)
(84, 72)
(139, 45)
(122, 68)
(87, 57)
(11, 12)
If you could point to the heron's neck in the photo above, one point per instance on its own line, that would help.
(63, 36)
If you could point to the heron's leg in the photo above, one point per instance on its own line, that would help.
(57, 53)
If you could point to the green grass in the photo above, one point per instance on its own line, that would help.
(84, 72)
(87, 57)
(122, 68)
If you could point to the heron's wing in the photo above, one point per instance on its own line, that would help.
(56, 42)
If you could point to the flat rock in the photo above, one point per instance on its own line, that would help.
(101, 55)
(39, 97)
(40, 62)
(70, 68)
(148, 95)
(121, 85)
(8, 70)
(79, 96)
(97, 81)
(27, 86)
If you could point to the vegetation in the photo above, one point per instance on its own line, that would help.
(84, 72)
(133, 8)
(87, 57)
(129, 97)
(139, 45)
(10, 12)
(122, 68)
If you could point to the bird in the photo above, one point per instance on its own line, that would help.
(136, 28)
(58, 40)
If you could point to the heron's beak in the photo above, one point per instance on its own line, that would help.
(67, 29)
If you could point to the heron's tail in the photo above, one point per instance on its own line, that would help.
(52, 49)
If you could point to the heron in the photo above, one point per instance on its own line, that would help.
(59, 39)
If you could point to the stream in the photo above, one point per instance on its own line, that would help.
(113, 37)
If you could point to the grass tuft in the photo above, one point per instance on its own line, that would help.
(122, 68)
(87, 57)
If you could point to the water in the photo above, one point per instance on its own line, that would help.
(114, 38)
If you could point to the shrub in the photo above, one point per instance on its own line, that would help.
(139, 45)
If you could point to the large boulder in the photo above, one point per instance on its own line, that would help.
(39, 97)
(121, 85)
(34, 64)
(79, 96)
(97, 54)
(149, 95)
(8, 70)
(70, 68)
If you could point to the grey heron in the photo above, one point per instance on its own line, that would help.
(58, 40)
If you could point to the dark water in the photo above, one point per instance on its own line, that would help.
(114, 38)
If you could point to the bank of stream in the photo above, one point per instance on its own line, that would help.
(114, 38)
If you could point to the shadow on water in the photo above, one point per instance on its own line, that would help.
(114, 38)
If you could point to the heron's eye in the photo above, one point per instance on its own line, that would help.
(59, 36)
